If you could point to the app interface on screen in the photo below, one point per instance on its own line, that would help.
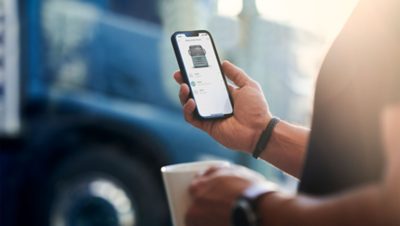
(204, 75)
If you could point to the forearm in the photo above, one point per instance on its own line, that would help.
(287, 148)
(365, 206)
(377, 204)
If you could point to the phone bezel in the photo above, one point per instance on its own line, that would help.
(185, 76)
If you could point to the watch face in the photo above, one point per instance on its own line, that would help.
(244, 211)
(243, 214)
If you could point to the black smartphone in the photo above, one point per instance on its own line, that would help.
(201, 69)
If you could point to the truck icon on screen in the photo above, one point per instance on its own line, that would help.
(198, 54)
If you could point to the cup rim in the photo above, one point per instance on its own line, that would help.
(174, 168)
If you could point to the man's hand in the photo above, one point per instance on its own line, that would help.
(213, 194)
(251, 112)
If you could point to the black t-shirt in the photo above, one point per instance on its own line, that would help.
(360, 76)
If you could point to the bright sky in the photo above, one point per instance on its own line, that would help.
(325, 17)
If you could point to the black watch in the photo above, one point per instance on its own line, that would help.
(244, 212)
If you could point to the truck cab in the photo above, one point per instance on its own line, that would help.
(90, 121)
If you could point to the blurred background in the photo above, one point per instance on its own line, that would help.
(89, 110)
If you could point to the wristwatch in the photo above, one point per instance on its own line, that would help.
(244, 212)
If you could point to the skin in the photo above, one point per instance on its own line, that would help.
(214, 193)
(241, 131)
(209, 193)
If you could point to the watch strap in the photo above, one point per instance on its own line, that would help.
(256, 190)
(248, 203)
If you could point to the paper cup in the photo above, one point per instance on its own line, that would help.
(177, 179)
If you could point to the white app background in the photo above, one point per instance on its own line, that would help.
(207, 84)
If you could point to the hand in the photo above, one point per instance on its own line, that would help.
(251, 111)
(214, 193)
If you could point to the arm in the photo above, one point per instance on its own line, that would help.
(286, 149)
(213, 195)
(376, 204)
(251, 116)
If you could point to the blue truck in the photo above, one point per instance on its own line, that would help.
(96, 123)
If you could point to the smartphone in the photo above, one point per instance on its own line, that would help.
(201, 69)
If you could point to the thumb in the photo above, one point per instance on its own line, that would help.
(235, 74)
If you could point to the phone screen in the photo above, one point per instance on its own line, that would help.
(204, 74)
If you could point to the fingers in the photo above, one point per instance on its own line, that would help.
(211, 171)
(188, 109)
(202, 177)
(184, 90)
(184, 93)
(189, 105)
(235, 74)
(178, 77)
(231, 89)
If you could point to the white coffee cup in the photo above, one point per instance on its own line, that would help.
(177, 179)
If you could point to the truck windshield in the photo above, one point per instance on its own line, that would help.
(102, 48)
(9, 73)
